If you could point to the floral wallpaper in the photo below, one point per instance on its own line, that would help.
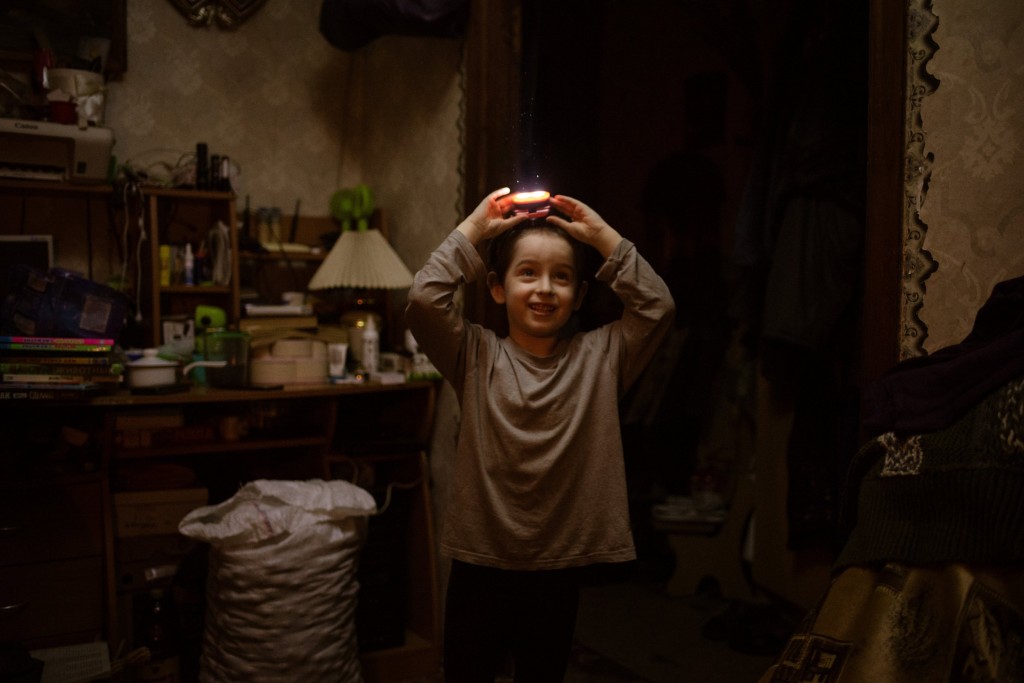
(300, 117)
(971, 204)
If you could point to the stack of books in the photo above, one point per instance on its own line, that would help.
(58, 367)
(273, 319)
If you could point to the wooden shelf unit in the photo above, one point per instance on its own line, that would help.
(309, 431)
(95, 233)
(174, 217)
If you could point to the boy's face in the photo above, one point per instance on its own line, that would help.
(540, 290)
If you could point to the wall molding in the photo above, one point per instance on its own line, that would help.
(917, 262)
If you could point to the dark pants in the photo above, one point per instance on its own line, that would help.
(493, 613)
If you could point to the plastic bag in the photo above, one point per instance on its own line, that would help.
(281, 589)
(351, 24)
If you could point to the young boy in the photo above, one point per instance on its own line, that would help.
(538, 486)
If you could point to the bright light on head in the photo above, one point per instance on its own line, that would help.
(534, 203)
(532, 197)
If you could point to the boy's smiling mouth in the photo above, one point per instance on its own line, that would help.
(543, 309)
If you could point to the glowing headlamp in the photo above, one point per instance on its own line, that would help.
(535, 203)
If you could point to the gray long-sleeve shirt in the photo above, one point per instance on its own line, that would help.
(539, 480)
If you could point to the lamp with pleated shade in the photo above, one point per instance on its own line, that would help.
(362, 259)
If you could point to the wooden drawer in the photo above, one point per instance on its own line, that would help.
(56, 522)
(40, 602)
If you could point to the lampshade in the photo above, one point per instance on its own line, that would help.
(361, 259)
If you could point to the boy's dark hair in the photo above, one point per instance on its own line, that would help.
(499, 251)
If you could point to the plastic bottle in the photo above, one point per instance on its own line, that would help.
(201, 268)
(336, 359)
(160, 635)
(190, 265)
(371, 347)
(225, 174)
(165, 265)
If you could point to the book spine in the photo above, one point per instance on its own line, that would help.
(51, 359)
(19, 377)
(284, 323)
(47, 368)
(46, 392)
(44, 346)
(59, 341)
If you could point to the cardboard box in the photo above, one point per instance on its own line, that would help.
(150, 513)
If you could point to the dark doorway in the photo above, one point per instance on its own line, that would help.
(724, 139)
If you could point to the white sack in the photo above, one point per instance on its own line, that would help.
(281, 590)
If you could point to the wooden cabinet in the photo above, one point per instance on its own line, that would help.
(52, 552)
(373, 435)
(68, 575)
(174, 218)
(54, 529)
(65, 571)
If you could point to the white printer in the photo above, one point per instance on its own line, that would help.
(41, 150)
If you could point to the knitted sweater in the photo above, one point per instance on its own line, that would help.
(952, 495)
(538, 480)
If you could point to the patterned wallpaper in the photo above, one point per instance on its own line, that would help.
(972, 135)
(299, 116)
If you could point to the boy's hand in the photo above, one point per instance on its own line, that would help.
(584, 224)
(488, 218)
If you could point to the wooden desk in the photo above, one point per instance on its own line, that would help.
(91, 450)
